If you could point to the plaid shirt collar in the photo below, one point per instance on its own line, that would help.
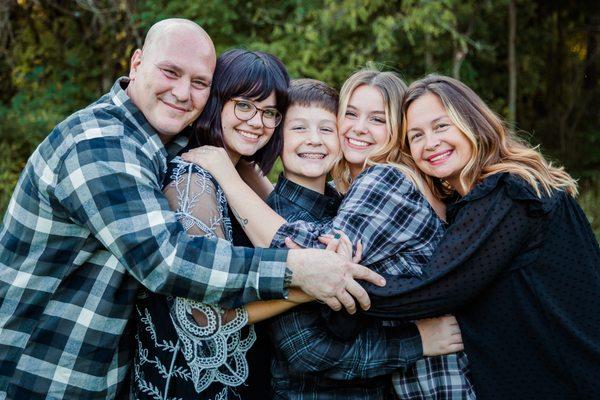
(316, 204)
(145, 131)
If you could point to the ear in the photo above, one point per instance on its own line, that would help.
(136, 61)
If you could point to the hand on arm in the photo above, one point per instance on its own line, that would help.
(322, 274)
(257, 219)
(331, 278)
(112, 188)
(340, 243)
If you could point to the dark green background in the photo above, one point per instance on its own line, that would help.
(57, 56)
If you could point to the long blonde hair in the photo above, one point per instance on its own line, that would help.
(495, 148)
(392, 89)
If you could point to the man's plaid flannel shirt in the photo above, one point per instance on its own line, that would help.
(86, 225)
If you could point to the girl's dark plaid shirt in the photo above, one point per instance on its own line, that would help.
(308, 362)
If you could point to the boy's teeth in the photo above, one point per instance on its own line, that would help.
(248, 134)
(358, 142)
(315, 156)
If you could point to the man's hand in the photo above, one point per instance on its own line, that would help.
(329, 277)
(440, 335)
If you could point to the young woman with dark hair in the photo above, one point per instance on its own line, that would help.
(183, 347)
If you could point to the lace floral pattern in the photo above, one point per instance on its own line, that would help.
(181, 341)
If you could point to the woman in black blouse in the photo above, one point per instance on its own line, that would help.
(519, 265)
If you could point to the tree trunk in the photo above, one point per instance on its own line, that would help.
(428, 54)
(460, 51)
(512, 62)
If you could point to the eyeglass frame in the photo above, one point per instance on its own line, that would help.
(256, 109)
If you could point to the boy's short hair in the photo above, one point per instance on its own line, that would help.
(313, 93)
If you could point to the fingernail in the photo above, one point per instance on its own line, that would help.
(337, 236)
(382, 282)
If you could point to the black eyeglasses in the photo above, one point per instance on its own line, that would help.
(245, 110)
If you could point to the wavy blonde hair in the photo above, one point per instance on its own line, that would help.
(392, 89)
(495, 148)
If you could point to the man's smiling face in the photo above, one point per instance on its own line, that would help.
(171, 77)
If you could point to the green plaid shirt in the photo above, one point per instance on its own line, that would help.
(86, 225)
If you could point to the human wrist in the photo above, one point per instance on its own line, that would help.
(288, 278)
(293, 260)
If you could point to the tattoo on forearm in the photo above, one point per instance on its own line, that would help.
(243, 221)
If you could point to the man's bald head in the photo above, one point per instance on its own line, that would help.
(163, 29)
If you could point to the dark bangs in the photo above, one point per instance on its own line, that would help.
(250, 74)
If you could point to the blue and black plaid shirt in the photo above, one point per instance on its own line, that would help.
(88, 223)
(308, 362)
(399, 232)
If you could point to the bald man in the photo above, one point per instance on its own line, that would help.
(88, 224)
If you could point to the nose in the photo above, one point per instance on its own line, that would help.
(360, 126)
(314, 137)
(256, 120)
(431, 141)
(181, 90)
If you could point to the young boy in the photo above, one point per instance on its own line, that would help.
(308, 362)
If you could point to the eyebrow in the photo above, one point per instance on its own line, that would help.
(372, 112)
(433, 121)
(254, 101)
(438, 119)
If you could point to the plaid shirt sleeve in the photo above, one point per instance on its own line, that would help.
(109, 185)
(388, 214)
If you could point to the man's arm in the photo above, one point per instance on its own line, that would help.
(321, 274)
(110, 186)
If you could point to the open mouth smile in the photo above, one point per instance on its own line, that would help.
(439, 158)
(248, 135)
(357, 144)
(312, 156)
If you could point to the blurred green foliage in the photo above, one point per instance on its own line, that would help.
(58, 56)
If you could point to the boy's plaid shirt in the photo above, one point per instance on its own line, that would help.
(310, 363)
(86, 224)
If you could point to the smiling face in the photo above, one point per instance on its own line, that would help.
(245, 138)
(438, 147)
(363, 127)
(171, 77)
(310, 145)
